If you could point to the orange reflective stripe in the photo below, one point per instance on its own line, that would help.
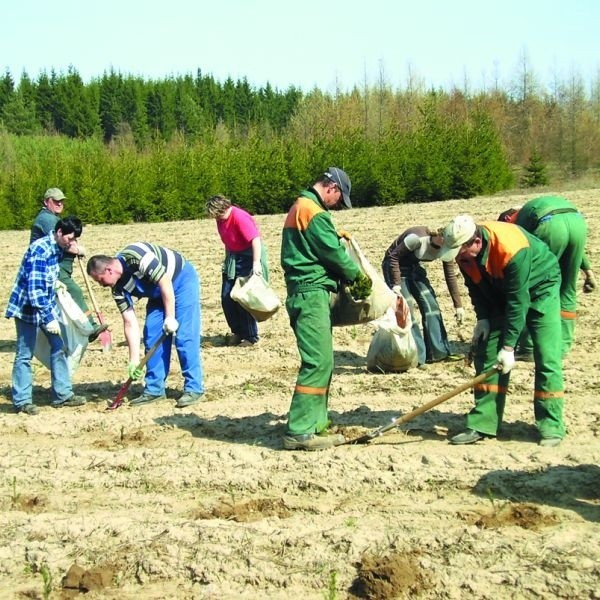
(540, 395)
(306, 389)
(301, 214)
(490, 387)
(567, 314)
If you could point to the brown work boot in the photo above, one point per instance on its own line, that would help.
(312, 441)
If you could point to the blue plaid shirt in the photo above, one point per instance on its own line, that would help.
(32, 298)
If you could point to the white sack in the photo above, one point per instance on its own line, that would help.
(345, 310)
(393, 348)
(75, 329)
(256, 296)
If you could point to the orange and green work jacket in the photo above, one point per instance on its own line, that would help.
(513, 272)
(312, 256)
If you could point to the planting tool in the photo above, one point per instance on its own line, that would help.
(105, 336)
(367, 437)
(121, 393)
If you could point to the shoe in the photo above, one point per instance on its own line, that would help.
(188, 398)
(550, 442)
(28, 409)
(234, 339)
(98, 329)
(447, 358)
(312, 441)
(146, 399)
(72, 401)
(247, 343)
(470, 436)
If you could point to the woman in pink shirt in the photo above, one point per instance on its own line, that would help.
(244, 254)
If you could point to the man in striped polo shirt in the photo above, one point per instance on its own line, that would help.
(172, 287)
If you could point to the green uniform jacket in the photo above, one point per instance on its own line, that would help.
(312, 256)
(531, 214)
(513, 272)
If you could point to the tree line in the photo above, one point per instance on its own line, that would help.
(124, 149)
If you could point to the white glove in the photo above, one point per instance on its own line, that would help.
(506, 360)
(170, 325)
(53, 327)
(481, 331)
(80, 250)
(257, 268)
(459, 315)
(397, 289)
(59, 286)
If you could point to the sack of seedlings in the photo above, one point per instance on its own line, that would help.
(365, 299)
(256, 296)
(75, 330)
(393, 347)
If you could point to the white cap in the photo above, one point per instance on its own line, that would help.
(459, 231)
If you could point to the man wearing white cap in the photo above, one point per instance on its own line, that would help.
(513, 280)
(45, 221)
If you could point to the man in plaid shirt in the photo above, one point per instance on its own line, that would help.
(32, 304)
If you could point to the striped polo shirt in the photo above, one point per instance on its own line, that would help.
(144, 265)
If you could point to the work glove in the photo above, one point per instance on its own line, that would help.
(342, 233)
(589, 285)
(506, 360)
(80, 250)
(59, 286)
(459, 315)
(53, 327)
(481, 331)
(134, 372)
(170, 325)
(257, 268)
(397, 289)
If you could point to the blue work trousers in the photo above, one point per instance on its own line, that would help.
(187, 340)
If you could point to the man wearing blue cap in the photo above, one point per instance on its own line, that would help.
(314, 263)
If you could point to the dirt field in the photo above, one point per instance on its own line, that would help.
(156, 502)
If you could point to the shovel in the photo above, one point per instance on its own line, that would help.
(367, 437)
(105, 336)
(121, 393)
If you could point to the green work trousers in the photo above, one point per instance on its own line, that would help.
(548, 396)
(310, 318)
(66, 276)
(565, 234)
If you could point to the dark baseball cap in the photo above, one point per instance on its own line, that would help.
(341, 179)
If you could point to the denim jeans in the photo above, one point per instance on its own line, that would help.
(22, 374)
(432, 344)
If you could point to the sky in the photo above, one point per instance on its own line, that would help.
(327, 44)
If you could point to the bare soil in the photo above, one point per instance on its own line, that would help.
(157, 502)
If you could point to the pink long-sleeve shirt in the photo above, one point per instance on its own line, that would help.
(238, 230)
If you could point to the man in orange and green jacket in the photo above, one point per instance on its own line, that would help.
(559, 224)
(513, 280)
(314, 263)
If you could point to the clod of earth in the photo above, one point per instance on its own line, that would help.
(386, 577)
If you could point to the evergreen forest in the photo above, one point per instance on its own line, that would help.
(125, 149)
